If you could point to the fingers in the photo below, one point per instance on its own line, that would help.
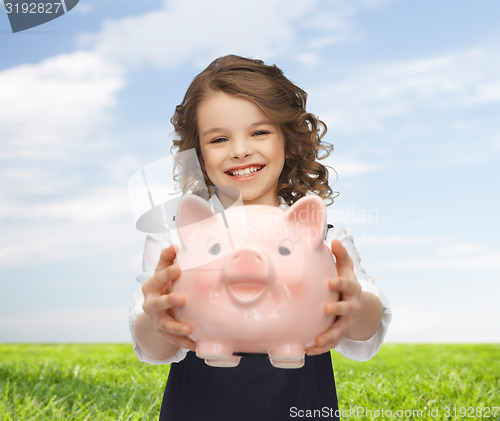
(170, 325)
(167, 257)
(344, 261)
(342, 308)
(182, 342)
(163, 302)
(176, 332)
(157, 310)
(345, 285)
(157, 307)
(330, 338)
(160, 282)
(158, 301)
(346, 309)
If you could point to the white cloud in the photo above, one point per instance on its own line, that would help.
(198, 31)
(439, 254)
(458, 250)
(376, 93)
(487, 261)
(51, 112)
(103, 205)
(56, 240)
(397, 240)
(309, 59)
(84, 9)
(345, 166)
(474, 322)
(77, 325)
(194, 30)
(90, 223)
(55, 103)
(349, 217)
(122, 167)
(48, 215)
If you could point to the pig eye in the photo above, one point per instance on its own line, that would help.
(286, 247)
(213, 246)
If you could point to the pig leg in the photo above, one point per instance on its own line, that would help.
(226, 362)
(287, 356)
(214, 350)
(217, 354)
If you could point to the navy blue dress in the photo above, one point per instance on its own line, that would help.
(254, 390)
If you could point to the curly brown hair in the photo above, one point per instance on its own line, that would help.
(282, 101)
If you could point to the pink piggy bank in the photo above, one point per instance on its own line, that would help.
(255, 279)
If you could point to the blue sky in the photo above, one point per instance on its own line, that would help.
(410, 92)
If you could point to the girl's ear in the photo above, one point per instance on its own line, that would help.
(192, 209)
(308, 214)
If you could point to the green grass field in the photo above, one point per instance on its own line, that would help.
(107, 382)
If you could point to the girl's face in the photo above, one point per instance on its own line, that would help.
(241, 147)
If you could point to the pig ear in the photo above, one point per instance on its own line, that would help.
(192, 209)
(309, 213)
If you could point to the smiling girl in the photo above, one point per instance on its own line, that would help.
(241, 147)
(249, 126)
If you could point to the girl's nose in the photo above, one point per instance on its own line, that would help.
(241, 149)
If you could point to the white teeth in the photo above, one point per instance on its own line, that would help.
(246, 171)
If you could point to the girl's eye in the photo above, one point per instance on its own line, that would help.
(219, 140)
(260, 133)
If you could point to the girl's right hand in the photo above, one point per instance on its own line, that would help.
(159, 301)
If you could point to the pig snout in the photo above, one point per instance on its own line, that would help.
(247, 275)
(247, 263)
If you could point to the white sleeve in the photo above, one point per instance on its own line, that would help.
(361, 350)
(153, 246)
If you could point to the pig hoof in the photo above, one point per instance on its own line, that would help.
(288, 364)
(226, 362)
(213, 350)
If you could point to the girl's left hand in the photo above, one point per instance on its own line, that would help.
(347, 308)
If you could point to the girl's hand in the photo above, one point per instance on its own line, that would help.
(347, 308)
(158, 301)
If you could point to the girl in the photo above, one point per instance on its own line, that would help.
(249, 126)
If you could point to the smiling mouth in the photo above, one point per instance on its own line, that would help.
(245, 172)
(246, 292)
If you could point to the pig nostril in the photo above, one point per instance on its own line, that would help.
(250, 257)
